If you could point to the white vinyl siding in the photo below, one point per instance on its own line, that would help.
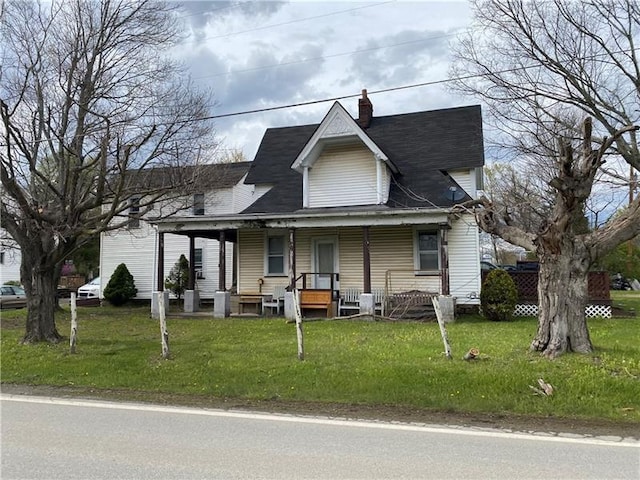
(466, 179)
(10, 268)
(392, 259)
(464, 269)
(250, 261)
(138, 251)
(343, 176)
(246, 194)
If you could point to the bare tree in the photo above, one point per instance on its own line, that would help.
(98, 124)
(542, 67)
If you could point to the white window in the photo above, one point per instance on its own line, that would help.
(427, 251)
(276, 254)
(197, 263)
(134, 212)
(198, 204)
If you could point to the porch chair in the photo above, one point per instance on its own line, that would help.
(274, 301)
(379, 298)
(349, 300)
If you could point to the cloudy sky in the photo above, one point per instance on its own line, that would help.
(256, 55)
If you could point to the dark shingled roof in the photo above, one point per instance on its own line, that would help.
(422, 145)
(218, 175)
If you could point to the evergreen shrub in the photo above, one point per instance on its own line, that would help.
(499, 296)
(121, 287)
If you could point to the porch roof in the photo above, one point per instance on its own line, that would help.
(378, 215)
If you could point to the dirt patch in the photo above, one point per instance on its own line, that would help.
(512, 422)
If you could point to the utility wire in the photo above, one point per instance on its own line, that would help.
(298, 20)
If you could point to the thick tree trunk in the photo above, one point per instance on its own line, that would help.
(40, 282)
(562, 296)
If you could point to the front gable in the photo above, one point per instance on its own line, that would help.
(427, 159)
(342, 166)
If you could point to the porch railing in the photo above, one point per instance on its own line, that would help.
(309, 280)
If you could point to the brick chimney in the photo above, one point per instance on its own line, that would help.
(365, 110)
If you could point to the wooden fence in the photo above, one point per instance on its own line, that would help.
(527, 285)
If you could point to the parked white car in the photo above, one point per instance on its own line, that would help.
(90, 290)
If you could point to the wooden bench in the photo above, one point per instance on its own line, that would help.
(255, 301)
(317, 300)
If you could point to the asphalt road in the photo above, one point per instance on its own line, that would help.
(46, 438)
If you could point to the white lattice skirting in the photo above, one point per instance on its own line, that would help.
(591, 311)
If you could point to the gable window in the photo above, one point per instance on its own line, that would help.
(198, 204)
(275, 255)
(427, 251)
(1, 258)
(197, 263)
(134, 212)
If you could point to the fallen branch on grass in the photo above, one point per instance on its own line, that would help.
(545, 390)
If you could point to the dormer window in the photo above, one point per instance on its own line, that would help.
(198, 204)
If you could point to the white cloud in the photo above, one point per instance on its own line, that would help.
(263, 54)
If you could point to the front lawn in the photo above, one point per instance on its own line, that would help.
(346, 362)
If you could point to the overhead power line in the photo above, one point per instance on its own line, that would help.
(298, 20)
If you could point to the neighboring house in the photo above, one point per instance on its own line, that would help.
(10, 258)
(137, 245)
(362, 204)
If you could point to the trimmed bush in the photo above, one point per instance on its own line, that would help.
(121, 287)
(499, 296)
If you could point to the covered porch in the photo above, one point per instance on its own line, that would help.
(377, 254)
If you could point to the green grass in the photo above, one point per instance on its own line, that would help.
(349, 362)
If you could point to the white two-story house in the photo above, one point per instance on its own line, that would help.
(358, 203)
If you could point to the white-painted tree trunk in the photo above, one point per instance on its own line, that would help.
(164, 333)
(443, 330)
(73, 338)
(299, 332)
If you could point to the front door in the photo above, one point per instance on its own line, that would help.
(325, 256)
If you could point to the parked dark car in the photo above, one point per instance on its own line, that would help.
(487, 266)
(12, 297)
(618, 282)
(528, 265)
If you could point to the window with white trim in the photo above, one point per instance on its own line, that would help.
(427, 251)
(197, 262)
(275, 262)
(198, 203)
(134, 212)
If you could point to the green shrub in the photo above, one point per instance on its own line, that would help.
(499, 296)
(178, 278)
(121, 287)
